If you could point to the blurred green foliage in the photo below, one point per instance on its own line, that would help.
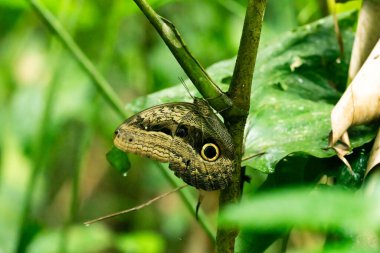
(55, 129)
(316, 209)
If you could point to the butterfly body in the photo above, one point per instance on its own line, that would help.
(189, 136)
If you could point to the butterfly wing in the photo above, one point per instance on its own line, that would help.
(149, 133)
(199, 130)
(187, 135)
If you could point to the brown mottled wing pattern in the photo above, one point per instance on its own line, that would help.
(175, 133)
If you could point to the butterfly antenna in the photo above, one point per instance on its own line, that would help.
(187, 88)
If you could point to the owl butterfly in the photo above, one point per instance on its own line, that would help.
(189, 136)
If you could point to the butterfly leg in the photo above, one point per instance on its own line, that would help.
(200, 199)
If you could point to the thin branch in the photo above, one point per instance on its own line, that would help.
(136, 208)
(189, 203)
(189, 64)
(100, 82)
(252, 156)
(240, 93)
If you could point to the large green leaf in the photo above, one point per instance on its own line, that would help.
(295, 86)
(324, 208)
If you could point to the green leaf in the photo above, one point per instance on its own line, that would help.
(294, 92)
(295, 86)
(118, 160)
(358, 161)
(305, 208)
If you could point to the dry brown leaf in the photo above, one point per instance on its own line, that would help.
(342, 148)
(360, 103)
(367, 34)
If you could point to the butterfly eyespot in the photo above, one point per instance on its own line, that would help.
(181, 131)
(210, 152)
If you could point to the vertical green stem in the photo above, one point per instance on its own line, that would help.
(240, 92)
(240, 87)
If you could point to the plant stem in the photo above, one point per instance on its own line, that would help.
(99, 81)
(189, 64)
(240, 92)
(240, 87)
